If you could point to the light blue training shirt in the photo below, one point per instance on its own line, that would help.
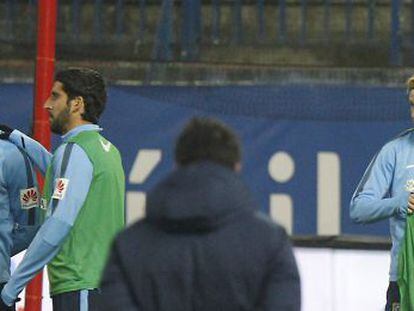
(17, 177)
(59, 222)
(384, 189)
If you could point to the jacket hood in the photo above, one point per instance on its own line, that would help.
(198, 197)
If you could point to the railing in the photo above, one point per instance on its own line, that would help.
(214, 30)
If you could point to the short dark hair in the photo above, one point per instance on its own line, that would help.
(207, 139)
(88, 84)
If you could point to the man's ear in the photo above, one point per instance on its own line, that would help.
(78, 105)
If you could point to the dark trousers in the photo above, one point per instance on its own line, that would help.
(80, 300)
(393, 297)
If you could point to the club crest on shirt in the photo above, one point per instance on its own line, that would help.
(106, 145)
(409, 185)
(61, 186)
(29, 198)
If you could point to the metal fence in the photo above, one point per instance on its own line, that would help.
(278, 32)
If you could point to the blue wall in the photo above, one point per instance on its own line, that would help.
(352, 122)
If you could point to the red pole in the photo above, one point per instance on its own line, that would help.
(45, 66)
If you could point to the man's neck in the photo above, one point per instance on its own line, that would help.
(76, 124)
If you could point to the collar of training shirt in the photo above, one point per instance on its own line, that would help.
(75, 131)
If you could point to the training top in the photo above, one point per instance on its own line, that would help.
(58, 225)
(80, 261)
(19, 202)
(384, 189)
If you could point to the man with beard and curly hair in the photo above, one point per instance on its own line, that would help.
(83, 195)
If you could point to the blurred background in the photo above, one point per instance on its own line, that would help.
(314, 88)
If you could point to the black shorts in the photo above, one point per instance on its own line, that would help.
(80, 300)
(393, 297)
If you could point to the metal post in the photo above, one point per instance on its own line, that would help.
(371, 18)
(97, 21)
(187, 29)
(395, 49)
(261, 19)
(237, 22)
(76, 19)
(215, 7)
(304, 28)
(45, 66)
(282, 21)
(348, 20)
(10, 15)
(31, 20)
(198, 22)
(142, 19)
(162, 48)
(119, 11)
(327, 20)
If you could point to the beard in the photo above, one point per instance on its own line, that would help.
(59, 123)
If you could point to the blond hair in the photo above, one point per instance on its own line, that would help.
(410, 83)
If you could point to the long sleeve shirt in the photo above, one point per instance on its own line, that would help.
(57, 226)
(384, 189)
(16, 176)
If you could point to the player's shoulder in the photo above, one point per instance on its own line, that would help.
(405, 134)
(401, 140)
(68, 150)
(9, 150)
(61, 149)
(264, 227)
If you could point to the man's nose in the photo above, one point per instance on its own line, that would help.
(47, 105)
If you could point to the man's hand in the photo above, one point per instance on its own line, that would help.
(410, 207)
(5, 132)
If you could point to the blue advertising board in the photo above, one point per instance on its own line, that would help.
(305, 147)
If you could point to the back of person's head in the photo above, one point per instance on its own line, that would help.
(207, 139)
(88, 84)
(410, 83)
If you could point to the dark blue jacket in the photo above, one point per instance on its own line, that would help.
(202, 246)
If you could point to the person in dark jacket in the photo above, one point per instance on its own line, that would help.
(203, 245)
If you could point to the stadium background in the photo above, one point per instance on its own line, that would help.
(314, 88)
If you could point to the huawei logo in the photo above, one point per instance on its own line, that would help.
(60, 186)
(30, 196)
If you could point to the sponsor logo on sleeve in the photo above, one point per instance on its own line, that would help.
(29, 198)
(61, 186)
